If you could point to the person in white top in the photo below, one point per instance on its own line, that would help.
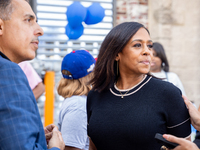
(160, 67)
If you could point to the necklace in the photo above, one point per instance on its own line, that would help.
(117, 92)
(122, 96)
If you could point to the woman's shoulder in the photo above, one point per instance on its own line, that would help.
(74, 101)
(95, 96)
(163, 85)
(159, 81)
(93, 93)
(172, 74)
(77, 99)
(167, 91)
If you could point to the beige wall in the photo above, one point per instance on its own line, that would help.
(176, 24)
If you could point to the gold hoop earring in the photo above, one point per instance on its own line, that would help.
(117, 69)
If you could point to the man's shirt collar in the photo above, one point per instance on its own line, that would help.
(4, 56)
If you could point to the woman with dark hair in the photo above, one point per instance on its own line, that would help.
(160, 67)
(126, 106)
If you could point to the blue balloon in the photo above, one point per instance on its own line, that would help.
(74, 33)
(95, 14)
(76, 14)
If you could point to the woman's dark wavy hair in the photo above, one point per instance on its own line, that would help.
(105, 72)
(160, 52)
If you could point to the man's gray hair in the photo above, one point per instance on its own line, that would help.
(6, 9)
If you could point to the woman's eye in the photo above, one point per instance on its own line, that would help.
(137, 45)
(150, 46)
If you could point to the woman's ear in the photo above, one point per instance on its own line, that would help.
(117, 57)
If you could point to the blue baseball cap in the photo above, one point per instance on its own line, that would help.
(77, 64)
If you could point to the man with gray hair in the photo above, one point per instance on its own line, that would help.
(21, 126)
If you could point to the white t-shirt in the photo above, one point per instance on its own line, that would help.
(171, 77)
(72, 122)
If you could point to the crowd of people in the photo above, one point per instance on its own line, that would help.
(117, 102)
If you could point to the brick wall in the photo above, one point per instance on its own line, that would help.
(132, 10)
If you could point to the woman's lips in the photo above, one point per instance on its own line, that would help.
(146, 62)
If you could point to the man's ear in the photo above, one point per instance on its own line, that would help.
(1, 26)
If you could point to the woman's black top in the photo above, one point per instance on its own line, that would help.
(130, 123)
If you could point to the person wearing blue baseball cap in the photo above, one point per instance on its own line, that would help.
(76, 69)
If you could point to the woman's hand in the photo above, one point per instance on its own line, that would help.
(183, 143)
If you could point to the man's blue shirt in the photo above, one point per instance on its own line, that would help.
(20, 123)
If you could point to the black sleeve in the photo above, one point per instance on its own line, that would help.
(177, 115)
